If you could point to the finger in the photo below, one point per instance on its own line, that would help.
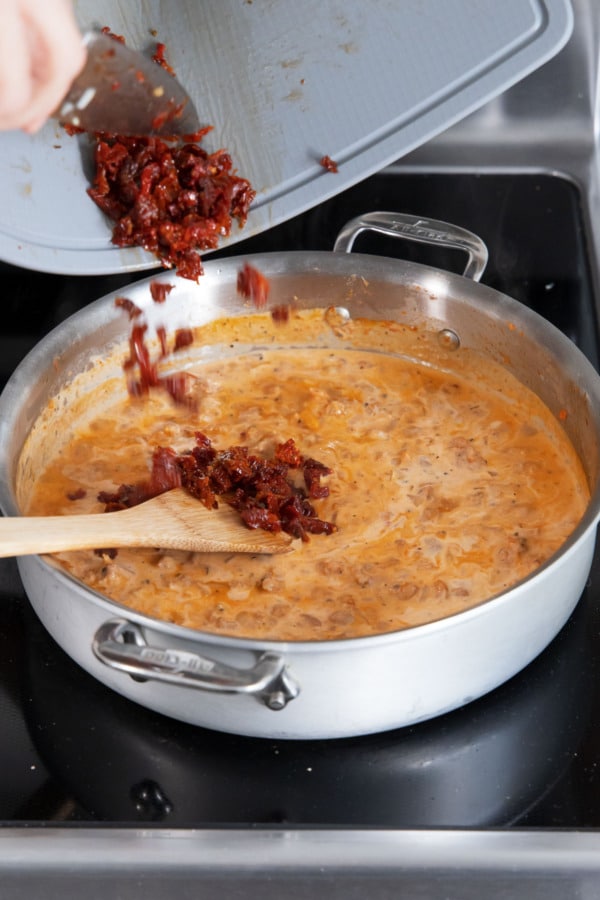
(57, 54)
(16, 87)
(32, 125)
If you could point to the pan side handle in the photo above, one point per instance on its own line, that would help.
(422, 231)
(121, 645)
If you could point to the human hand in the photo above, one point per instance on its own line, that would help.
(41, 52)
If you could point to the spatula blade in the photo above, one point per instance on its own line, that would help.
(121, 91)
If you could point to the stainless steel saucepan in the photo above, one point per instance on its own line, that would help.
(315, 689)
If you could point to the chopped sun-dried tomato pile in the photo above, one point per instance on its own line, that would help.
(174, 200)
(259, 489)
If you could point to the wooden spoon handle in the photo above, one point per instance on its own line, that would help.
(23, 535)
(171, 520)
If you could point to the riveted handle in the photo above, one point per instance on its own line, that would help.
(121, 645)
(422, 231)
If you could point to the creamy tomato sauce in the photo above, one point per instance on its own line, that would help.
(444, 493)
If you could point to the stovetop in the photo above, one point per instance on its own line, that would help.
(74, 752)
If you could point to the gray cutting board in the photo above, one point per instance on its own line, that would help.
(283, 82)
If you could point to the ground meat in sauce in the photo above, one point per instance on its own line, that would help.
(445, 489)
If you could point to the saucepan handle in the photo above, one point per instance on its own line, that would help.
(121, 645)
(423, 231)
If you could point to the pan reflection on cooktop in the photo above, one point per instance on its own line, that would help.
(487, 764)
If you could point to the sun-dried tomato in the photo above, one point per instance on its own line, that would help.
(253, 285)
(159, 57)
(164, 476)
(281, 314)
(160, 290)
(180, 386)
(289, 454)
(117, 37)
(142, 370)
(259, 489)
(329, 164)
(313, 471)
(161, 333)
(173, 200)
(132, 310)
(183, 338)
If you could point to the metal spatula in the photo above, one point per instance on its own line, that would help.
(124, 92)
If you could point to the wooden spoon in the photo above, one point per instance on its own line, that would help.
(174, 520)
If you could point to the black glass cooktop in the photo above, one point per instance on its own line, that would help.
(72, 751)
